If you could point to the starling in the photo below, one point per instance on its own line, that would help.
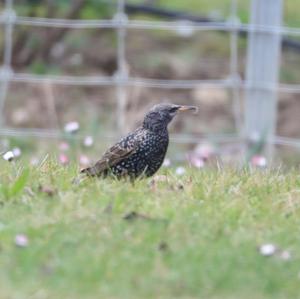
(142, 152)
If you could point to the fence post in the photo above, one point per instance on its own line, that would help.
(122, 75)
(234, 66)
(263, 63)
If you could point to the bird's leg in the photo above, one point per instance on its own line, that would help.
(132, 180)
(143, 174)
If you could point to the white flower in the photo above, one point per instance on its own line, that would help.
(166, 163)
(17, 152)
(88, 141)
(267, 249)
(71, 127)
(180, 170)
(8, 156)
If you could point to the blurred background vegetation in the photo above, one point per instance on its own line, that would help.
(151, 54)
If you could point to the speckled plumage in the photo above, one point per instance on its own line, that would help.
(141, 152)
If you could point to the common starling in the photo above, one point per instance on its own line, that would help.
(142, 152)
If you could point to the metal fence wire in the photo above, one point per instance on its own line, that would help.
(260, 86)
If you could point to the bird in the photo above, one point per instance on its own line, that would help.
(142, 152)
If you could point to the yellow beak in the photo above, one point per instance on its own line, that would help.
(188, 108)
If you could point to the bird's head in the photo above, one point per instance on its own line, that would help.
(158, 118)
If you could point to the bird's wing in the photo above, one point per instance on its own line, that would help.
(123, 149)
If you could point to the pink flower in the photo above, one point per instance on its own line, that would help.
(204, 151)
(63, 159)
(196, 160)
(64, 146)
(259, 161)
(198, 163)
(21, 240)
(84, 160)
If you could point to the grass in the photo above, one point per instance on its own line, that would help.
(193, 236)
(223, 8)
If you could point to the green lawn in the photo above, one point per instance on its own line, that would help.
(194, 236)
(223, 8)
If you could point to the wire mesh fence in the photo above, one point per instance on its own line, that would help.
(121, 79)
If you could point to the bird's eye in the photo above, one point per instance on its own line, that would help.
(174, 109)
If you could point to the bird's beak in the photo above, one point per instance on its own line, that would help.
(188, 108)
